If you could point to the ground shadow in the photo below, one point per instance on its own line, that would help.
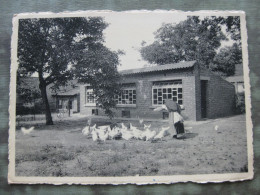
(190, 135)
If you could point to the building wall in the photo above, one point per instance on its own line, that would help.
(220, 95)
(144, 83)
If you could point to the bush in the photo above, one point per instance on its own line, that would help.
(240, 103)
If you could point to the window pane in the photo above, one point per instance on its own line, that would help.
(164, 90)
(174, 99)
(169, 96)
(169, 90)
(174, 93)
(159, 93)
(164, 96)
(155, 102)
(179, 90)
(179, 95)
(179, 101)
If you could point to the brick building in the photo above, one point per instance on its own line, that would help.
(202, 93)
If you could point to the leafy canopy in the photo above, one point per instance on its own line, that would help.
(61, 49)
(193, 39)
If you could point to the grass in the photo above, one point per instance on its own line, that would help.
(62, 150)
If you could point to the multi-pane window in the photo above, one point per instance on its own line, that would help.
(127, 96)
(167, 90)
(89, 96)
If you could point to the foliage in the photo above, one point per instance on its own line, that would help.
(240, 103)
(56, 47)
(195, 39)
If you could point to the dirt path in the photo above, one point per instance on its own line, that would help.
(62, 150)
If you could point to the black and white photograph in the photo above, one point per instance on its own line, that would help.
(142, 97)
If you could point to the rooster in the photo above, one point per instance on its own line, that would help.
(27, 131)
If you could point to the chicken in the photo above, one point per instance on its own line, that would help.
(149, 135)
(86, 130)
(104, 136)
(164, 132)
(127, 135)
(114, 133)
(27, 131)
(138, 134)
(123, 126)
(94, 135)
(147, 126)
(141, 120)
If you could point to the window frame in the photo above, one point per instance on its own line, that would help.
(133, 88)
(94, 99)
(164, 87)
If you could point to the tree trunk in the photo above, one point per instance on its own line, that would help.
(42, 87)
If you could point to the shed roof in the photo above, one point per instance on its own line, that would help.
(180, 65)
(69, 92)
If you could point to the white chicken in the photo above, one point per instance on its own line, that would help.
(123, 126)
(94, 135)
(138, 134)
(164, 132)
(141, 120)
(103, 136)
(27, 131)
(147, 126)
(114, 132)
(149, 135)
(86, 130)
(127, 135)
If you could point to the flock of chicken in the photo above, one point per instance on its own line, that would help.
(103, 133)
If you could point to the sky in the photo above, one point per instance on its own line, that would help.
(127, 31)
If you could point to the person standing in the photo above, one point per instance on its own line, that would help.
(176, 126)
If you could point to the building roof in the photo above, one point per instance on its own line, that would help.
(69, 92)
(235, 79)
(180, 65)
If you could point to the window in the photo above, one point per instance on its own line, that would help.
(60, 104)
(128, 96)
(89, 96)
(126, 114)
(167, 90)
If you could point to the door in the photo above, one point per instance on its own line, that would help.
(203, 84)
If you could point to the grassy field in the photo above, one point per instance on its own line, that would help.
(62, 150)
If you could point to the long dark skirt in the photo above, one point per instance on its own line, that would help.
(179, 126)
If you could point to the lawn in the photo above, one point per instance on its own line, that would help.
(62, 150)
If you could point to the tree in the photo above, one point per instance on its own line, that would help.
(192, 39)
(225, 61)
(51, 48)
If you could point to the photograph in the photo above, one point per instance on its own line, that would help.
(142, 97)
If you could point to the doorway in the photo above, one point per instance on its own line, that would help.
(203, 84)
